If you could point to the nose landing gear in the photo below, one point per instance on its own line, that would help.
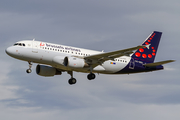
(29, 70)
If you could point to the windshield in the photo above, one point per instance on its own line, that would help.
(19, 44)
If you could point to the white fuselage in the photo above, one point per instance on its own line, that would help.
(44, 53)
(61, 58)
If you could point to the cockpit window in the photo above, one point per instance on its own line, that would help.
(19, 44)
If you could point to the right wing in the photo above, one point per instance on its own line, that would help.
(98, 59)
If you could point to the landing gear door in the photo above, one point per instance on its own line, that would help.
(131, 64)
(34, 47)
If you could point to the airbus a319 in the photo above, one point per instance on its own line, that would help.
(53, 59)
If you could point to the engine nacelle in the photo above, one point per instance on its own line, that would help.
(58, 60)
(47, 71)
(74, 62)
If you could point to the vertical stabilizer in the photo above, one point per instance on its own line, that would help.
(148, 53)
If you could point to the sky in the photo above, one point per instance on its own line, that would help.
(99, 25)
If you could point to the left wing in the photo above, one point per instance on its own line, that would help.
(98, 59)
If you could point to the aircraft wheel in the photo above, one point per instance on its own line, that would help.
(91, 76)
(28, 70)
(72, 81)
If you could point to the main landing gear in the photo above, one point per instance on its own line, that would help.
(29, 70)
(71, 80)
(91, 76)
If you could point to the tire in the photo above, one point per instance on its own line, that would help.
(72, 81)
(91, 76)
(28, 70)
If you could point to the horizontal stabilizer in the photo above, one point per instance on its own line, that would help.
(158, 63)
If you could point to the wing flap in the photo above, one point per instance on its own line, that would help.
(158, 63)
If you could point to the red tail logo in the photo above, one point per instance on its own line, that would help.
(147, 43)
(148, 53)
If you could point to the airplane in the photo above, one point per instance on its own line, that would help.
(53, 59)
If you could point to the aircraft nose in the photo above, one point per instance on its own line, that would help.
(9, 51)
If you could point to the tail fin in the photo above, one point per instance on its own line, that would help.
(148, 53)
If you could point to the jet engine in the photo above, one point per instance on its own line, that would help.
(47, 71)
(74, 62)
(58, 60)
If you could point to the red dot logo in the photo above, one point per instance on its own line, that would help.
(152, 47)
(153, 54)
(144, 55)
(146, 43)
(149, 56)
(154, 50)
(137, 54)
(149, 40)
(141, 50)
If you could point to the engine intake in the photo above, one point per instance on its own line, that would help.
(47, 71)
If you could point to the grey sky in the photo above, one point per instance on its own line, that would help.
(100, 25)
